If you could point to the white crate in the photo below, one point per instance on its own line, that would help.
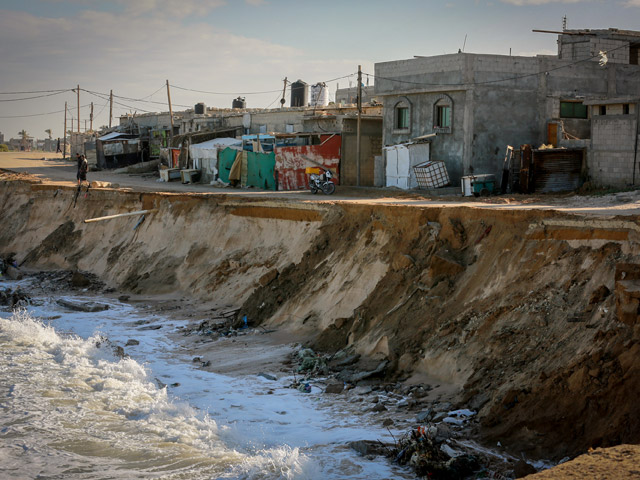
(431, 174)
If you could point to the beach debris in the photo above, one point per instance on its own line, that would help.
(334, 388)
(305, 388)
(14, 298)
(131, 342)
(267, 376)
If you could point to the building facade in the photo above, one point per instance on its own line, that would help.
(479, 104)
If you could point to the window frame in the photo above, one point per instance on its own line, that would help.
(443, 103)
(404, 106)
(573, 113)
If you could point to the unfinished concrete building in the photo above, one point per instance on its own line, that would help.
(478, 104)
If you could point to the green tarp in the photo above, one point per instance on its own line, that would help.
(226, 158)
(258, 169)
(261, 170)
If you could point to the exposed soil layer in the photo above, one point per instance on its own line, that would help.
(529, 317)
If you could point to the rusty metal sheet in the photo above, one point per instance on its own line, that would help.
(557, 170)
(292, 161)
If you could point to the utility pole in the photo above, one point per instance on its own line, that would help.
(358, 126)
(64, 149)
(284, 89)
(91, 119)
(170, 113)
(78, 92)
(110, 107)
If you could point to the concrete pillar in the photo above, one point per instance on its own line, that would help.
(467, 122)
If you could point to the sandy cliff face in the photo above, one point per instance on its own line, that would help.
(530, 317)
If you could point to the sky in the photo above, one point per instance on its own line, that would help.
(213, 51)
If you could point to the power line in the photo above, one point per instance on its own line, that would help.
(37, 96)
(42, 114)
(36, 91)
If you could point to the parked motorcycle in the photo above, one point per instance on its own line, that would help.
(320, 179)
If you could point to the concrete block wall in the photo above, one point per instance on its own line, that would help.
(611, 162)
(617, 50)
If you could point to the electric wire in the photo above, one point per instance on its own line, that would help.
(36, 96)
(41, 114)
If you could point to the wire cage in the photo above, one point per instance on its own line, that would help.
(431, 175)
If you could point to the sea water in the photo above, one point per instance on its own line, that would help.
(71, 409)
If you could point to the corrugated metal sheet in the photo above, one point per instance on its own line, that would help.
(292, 161)
(557, 170)
(261, 170)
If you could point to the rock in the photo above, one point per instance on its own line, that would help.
(438, 417)
(345, 362)
(196, 359)
(424, 416)
(118, 351)
(375, 399)
(599, 294)
(151, 327)
(82, 307)
(362, 390)
(267, 376)
(268, 277)
(369, 448)
(175, 385)
(479, 401)
(131, 342)
(379, 408)
(13, 273)
(522, 469)
(334, 388)
(124, 298)
(387, 422)
(206, 363)
(80, 280)
(377, 371)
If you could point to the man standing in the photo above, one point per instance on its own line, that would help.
(83, 167)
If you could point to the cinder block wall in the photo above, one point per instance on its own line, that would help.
(611, 162)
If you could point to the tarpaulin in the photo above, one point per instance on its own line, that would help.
(261, 170)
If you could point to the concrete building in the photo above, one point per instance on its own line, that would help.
(349, 96)
(479, 104)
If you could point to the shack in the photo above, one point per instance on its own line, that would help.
(117, 149)
(205, 156)
(295, 152)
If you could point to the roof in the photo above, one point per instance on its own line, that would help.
(115, 135)
(224, 141)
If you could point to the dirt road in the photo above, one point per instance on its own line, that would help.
(51, 168)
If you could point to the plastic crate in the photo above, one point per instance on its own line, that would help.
(431, 175)
(310, 170)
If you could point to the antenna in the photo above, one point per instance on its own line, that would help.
(564, 23)
(465, 42)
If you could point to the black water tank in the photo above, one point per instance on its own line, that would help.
(239, 103)
(299, 94)
(199, 108)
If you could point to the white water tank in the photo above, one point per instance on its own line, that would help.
(319, 95)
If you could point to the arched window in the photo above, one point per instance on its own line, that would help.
(443, 114)
(402, 116)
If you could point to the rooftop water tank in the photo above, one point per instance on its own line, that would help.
(200, 108)
(299, 94)
(319, 95)
(239, 103)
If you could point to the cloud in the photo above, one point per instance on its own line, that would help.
(522, 3)
(632, 3)
(256, 3)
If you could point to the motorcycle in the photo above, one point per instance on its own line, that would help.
(320, 179)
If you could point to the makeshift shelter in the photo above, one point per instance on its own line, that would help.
(116, 149)
(205, 156)
(291, 161)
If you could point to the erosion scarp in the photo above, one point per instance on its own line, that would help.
(528, 317)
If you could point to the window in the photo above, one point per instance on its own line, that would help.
(603, 109)
(573, 110)
(625, 109)
(444, 116)
(402, 118)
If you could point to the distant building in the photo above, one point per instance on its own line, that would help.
(1, 137)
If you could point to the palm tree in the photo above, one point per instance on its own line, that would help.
(24, 139)
(48, 132)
